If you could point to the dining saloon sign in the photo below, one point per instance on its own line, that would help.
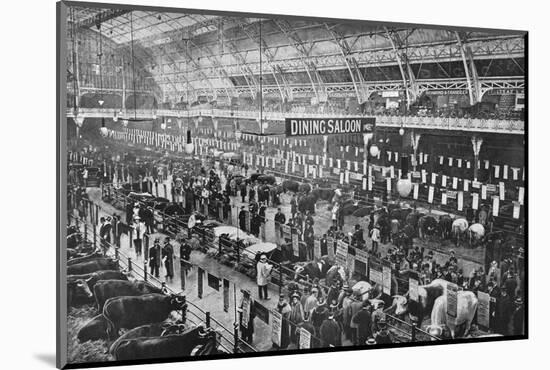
(328, 126)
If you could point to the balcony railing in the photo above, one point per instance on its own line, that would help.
(429, 123)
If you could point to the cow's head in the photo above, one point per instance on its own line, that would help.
(401, 304)
(435, 331)
(81, 288)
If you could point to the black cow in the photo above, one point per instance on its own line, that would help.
(89, 257)
(105, 289)
(304, 188)
(307, 203)
(190, 343)
(150, 330)
(92, 266)
(323, 194)
(269, 179)
(94, 329)
(129, 312)
(290, 185)
(445, 226)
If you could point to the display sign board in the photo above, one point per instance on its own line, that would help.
(483, 313)
(413, 289)
(341, 253)
(295, 246)
(330, 247)
(386, 277)
(317, 248)
(261, 312)
(305, 339)
(200, 278)
(246, 309)
(213, 282)
(286, 231)
(226, 295)
(375, 272)
(452, 300)
(328, 126)
(276, 327)
(361, 261)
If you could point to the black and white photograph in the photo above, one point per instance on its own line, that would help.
(239, 184)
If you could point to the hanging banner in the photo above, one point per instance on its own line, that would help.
(276, 327)
(388, 184)
(515, 213)
(431, 195)
(424, 174)
(305, 339)
(460, 200)
(434, 178)
(521, 194)
(475, 200)
(324, 126)
(483, 192)
(444, 181)
(226, 295)
(415, 191)
(455, 182)
(483, 313)
(495, 206)
(444, 198)
(505, 172)
(501, 189)
(386, 277)
(466, 185)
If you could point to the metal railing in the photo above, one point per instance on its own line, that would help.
(230, 343)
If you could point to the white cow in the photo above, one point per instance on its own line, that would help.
(458, 229)
(476, 233)
(466, 309)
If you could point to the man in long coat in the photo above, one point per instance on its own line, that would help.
(284, 309)
(330, 332)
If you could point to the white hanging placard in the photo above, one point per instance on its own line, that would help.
(346, 176)
(450, 161)
(348, 165)
(341, 178)
(415, 191)
(434, 176)
(392, 172)
(455, 182)
(444, 198)
(505, 172)
(441, 159)
(424, 175)
(396, 156)
(364, 183)
(475, 200)
(460, 200)
(338, 163)
(431, 195)
(521, 194)
(501, 189)
(444, 181)
(425, 158)
(388, 184)
(483, 192)
(516, 210)
(495, 206)
(466, 185)
(497, 171)
(459, 162)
